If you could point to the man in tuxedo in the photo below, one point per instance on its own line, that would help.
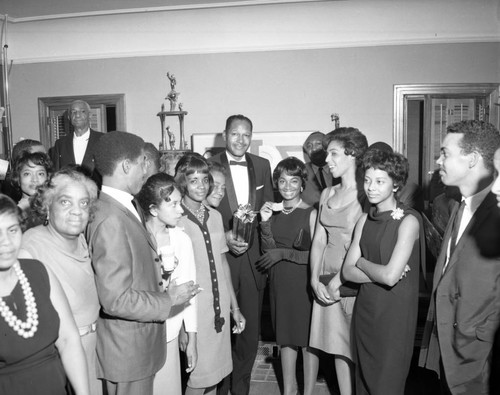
(464, 313)
(248, 180)
(318, 174)
(131, 334)
(77, 148)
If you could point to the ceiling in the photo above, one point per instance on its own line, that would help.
(40, 9)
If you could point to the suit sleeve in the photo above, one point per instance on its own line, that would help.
(113, 262)
(54, 156)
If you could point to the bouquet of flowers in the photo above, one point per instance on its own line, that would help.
(243, 219)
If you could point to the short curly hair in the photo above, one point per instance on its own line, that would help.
(395, 165)
(47, 192)
(156, 189)
(478, 136)
(353, 141)
(114, 147)
(291, 166)
(8, 206)
(37, 158)
(189, 164)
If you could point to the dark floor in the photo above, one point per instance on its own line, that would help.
(267, 377)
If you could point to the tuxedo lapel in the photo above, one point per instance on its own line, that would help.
(230, 192)
(89, 152)
(251, 182)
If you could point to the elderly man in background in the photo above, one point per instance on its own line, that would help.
(77, 148)
(131, 325)
(318, 174)
(464, 312)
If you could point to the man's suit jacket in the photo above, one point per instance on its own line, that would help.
(260, 191)
(131, 329)
(62, 154)
(464, 313)
(312, 189)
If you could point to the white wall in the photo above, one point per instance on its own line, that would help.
(280, 90)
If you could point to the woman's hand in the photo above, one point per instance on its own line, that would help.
(321, 292)
(191, 353)
(269, 259)
(405, 271)
(239, 321)
(333, 288)
(266, 211)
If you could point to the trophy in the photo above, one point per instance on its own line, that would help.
(170, 155)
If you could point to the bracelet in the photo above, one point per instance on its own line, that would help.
(233, 310)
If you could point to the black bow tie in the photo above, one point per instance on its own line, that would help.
(234, 163)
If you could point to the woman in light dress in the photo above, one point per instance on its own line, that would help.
(340, 207)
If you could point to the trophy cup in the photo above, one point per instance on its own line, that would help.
(170, 155)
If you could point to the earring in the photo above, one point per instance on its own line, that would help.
(46, 221)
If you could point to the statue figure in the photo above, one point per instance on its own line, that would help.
(173, 81)
(336, 119)
(171, 138)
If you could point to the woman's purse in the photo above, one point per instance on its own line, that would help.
(303, 240)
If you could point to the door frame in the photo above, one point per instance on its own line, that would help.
(403, 92)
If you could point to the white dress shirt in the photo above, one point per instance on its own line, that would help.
(80, 146)
(239, 174)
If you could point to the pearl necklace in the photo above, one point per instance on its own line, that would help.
(287, 211)
(24, 329)
(199, 213)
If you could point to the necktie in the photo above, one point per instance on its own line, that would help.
(322, 178)
(234, 163)
(456, 227)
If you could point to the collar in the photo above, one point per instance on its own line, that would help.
(123, 197)
(84, 136)
(231, 157)
(474, 201)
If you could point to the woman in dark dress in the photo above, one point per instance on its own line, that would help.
(286, 236)
(39, 342)
(384, 257)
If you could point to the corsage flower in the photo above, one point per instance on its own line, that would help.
(397, 214)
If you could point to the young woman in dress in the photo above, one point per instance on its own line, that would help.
(39, 342)
(216, 301)
(160, 200)
(287, 261)
(340, 207)
(384, 257)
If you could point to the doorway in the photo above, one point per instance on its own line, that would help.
(423, 111)
(107, 113)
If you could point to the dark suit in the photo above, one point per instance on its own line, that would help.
(62, 154)
(464, 313)
(248, 282)
(131, 328)
(313, 188)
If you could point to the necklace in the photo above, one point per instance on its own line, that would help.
(287, 211)
(24, 329)
(199, 213)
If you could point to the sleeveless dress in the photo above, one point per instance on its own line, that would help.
(330, 325)
(385, 318)
(31, 366)
(290, 293)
